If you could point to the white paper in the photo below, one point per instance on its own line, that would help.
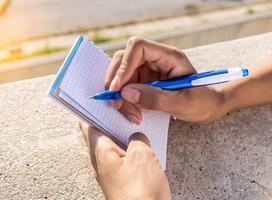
(85, 77)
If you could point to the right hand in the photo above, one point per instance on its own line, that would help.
(144, 60)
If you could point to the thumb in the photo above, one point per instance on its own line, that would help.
(145, 96)
(139, 137)
(138, 140)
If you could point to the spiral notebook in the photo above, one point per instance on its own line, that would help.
(82, 75)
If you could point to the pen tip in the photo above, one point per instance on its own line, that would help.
(91, 97)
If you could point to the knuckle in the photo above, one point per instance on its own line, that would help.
(157, 100)
(104, 149)
(135, 41)
(107, 155)
(143, 154)
(123, 68)
(118, 54)
(103, 145)
(124, 64)
(138, 150)
(176, 53)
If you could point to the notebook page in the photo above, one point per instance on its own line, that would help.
(75, 105)
(85, 77)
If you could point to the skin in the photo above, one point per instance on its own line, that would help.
(133, 174)
(136, 173)
(144, 60)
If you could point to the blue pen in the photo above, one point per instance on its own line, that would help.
(189, 81)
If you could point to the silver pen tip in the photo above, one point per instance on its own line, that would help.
(91, 97)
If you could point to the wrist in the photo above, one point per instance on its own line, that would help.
(228, 100)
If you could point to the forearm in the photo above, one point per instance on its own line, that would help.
(255, 89)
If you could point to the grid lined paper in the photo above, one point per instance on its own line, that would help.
(85, 77)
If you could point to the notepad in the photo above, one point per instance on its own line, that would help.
(82, 75)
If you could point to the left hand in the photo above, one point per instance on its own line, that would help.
(132, 174)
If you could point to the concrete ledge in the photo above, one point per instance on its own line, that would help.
(43, 155)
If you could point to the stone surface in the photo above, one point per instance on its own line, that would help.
(43, 155)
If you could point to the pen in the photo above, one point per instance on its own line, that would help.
(188, 81)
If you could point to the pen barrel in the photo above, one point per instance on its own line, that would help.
(200, 79)
(188, 81)
(174, 84)
(184, 82)
(108, 95)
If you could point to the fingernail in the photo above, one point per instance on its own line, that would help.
(115, 83)
(134, 119)
(131, 94)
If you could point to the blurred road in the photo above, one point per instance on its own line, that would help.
(26, 19)
(35, 18)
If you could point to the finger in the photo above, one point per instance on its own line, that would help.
(148, 97)
(86, 130)
(119, 103)
(108, 154)
(168, 59)
(132, 59)
(138, 141)
(113, 67)
(99, 143)
(131, 112)
(139, 137)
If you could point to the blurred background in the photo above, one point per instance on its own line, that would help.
(35, 35)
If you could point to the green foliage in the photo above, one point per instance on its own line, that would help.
(98, 38)
(17, 55)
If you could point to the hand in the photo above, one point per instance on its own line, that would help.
(133, 174)
(145, 60)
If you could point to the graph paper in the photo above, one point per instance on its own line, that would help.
(84, 77)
